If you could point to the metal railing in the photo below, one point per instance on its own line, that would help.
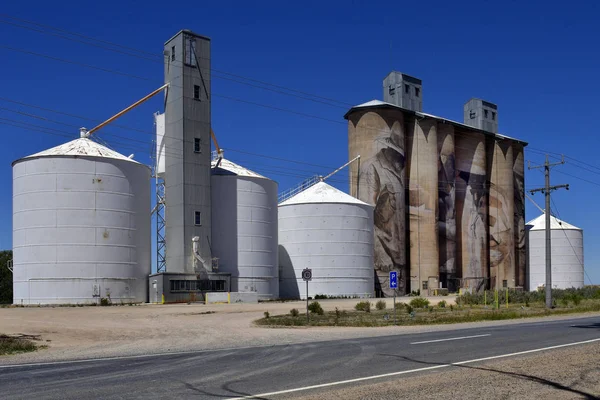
(305, 184)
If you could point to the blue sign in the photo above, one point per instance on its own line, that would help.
(393, 280)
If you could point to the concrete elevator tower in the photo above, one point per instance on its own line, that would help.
(187, 153)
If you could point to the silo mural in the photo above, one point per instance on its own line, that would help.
(519, 214)
(380, 181)
(447, 206)
(471, 207)
(501, 214)
(422, 163)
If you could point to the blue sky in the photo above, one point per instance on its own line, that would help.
(536, 60)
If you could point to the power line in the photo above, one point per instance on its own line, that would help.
(215, 76)
(277, 88)
(74, 63)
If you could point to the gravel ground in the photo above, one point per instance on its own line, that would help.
(572, 373)
(89, 332)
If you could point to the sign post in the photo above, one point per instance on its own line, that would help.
(394, 286)
(307, 276)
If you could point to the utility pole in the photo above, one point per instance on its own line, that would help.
(546, 191)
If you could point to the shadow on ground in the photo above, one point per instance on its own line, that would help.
(531, 378)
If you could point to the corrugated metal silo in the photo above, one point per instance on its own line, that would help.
(81, 226)
(244, 228)
(567, 254)
(331, 232)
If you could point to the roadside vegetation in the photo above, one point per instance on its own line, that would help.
(14, 344)
(468, 308)
(6, 281)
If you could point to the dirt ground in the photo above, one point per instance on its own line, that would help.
(87, 332)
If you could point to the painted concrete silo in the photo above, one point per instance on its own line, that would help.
(244, 228)
(81, 226)
(423, 162)
(330, 232)
(377, 132)
(567, 254)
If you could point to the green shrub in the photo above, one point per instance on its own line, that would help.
(419, 302)
(104, 302)
(442, 304)
(321, 297)
(564, 302)
(576, 299)
(400, 305)
(363, 306)
(381, 305)
(451, 307)
(409, 309)
(315, 308)
(294, 312)
(267, 315)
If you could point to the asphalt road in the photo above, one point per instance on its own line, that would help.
(264, 370)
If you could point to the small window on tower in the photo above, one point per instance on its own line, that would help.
(485, 113)
(197, 145)
(493, 116)
(190, 51)
(392, 90)
(406, 89)
(417, 91)
(197, 218)
(505, 283)
(173, 53)
(196, 92)
(472, 114)
(425, 285)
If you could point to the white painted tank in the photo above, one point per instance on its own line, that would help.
(330, 232)
(567, 254)
(81, 226)
(244, 228)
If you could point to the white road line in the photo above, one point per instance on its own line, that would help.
(367, 378)
(454, 338)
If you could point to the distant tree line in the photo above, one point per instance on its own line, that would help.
(6, 279)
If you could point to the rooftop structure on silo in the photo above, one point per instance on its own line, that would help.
(403, 90)
(481, 114)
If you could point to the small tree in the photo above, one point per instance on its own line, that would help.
(6, 279)
(315, 308)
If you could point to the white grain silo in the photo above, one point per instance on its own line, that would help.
(244, 228)
(330, 232)
(567, 253)
(81, 226)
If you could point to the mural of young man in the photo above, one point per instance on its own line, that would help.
(382, 183)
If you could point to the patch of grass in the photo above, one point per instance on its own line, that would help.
(381, 305)
(427, 316)
(442, 304)
(16, 344)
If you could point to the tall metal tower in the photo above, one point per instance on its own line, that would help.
(187, 152)
(158, 174)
